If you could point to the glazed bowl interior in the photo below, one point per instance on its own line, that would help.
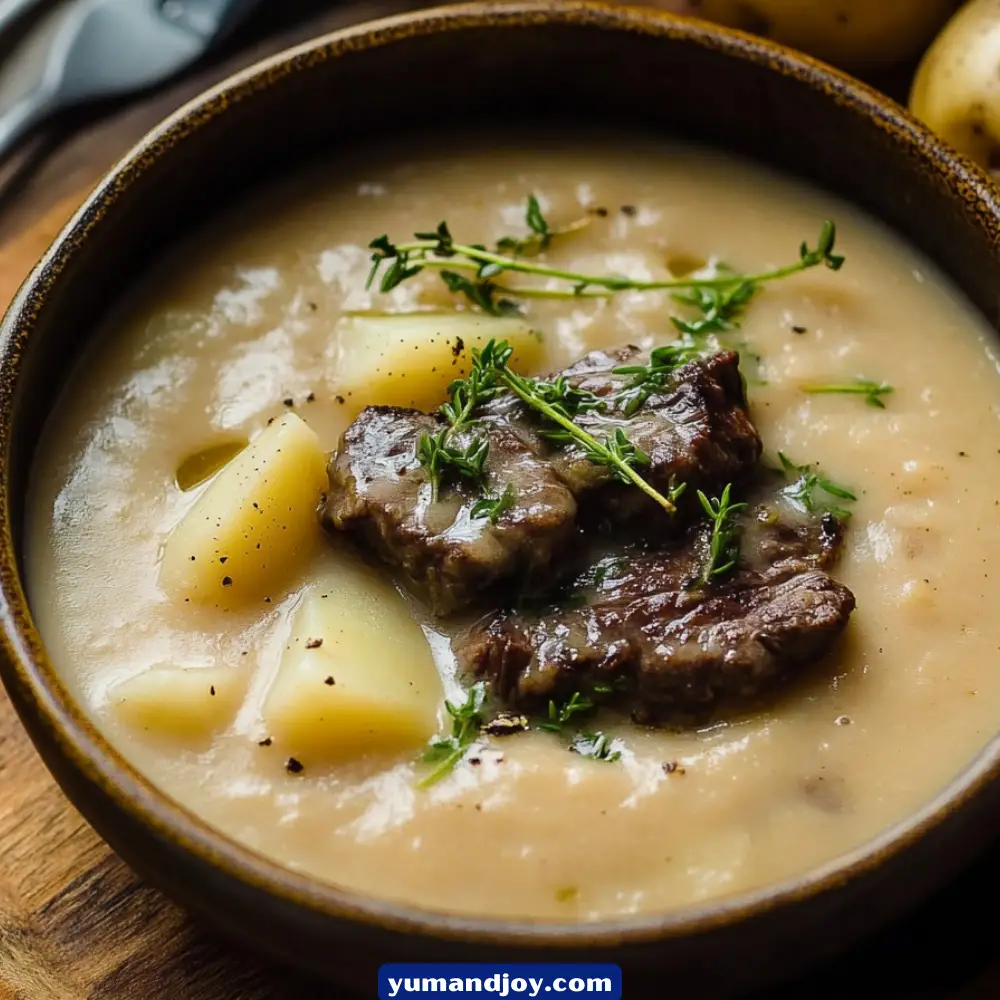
(565, 67)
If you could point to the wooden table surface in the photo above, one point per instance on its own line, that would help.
(76, 924)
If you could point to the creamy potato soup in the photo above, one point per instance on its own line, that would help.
(242, 621)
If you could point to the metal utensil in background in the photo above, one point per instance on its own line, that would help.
(31, 65)
(94, 50)
(16, 17)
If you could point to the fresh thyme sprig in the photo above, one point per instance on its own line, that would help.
(480, 293)
(616, 452)
(597, 746)
(807, 483)
(448, 751)
(435, 452)
(721, 312)
(440, 459)
(724, 546)
(494, 507)
(438, 249)
(570, 399)
(872, 391)
(541, 234)
(720, 308)
(566, 399)
(663, 362)
(466, 394)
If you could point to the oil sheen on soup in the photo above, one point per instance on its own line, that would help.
(242, 622)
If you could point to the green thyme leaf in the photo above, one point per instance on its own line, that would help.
(480, 293)
(616, 452)
(808, 486)
(724, 545)
(721, 308)
(646, 380)
(560, 715)
(871, 391)
(448, 751)
(494, 507)
(596, 746)
(444, 462)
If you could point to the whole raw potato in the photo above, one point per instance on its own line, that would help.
(859, 34)
(956, 91)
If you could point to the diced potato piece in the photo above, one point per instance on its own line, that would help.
(180, 702)
(357, 676)
(410, 359)
(255, 522)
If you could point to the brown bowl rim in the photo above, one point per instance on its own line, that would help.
(25, 665)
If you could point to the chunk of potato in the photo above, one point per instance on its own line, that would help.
(859, 34)
(180, 702)
(357, 676)
(255, 522)
(410, 359)
(955, 91)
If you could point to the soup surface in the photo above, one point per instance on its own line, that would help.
(243, 324)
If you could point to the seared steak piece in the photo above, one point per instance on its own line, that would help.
(778, 541)
(378, 487)
(639, 628)
(696, 429)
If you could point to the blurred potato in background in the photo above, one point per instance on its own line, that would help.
(953, 46)
(957, 88)
(859, 35)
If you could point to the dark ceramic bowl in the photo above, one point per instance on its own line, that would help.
(579, 64)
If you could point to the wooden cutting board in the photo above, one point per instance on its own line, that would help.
(76, 924)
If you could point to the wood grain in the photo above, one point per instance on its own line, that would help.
(76, 924)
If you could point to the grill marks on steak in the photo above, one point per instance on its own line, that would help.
(637, 626)
(378, 487)
(697, 430)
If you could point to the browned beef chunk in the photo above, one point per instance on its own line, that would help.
(777, 541)
(378, 487)
(639, 626)
(696, 429)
